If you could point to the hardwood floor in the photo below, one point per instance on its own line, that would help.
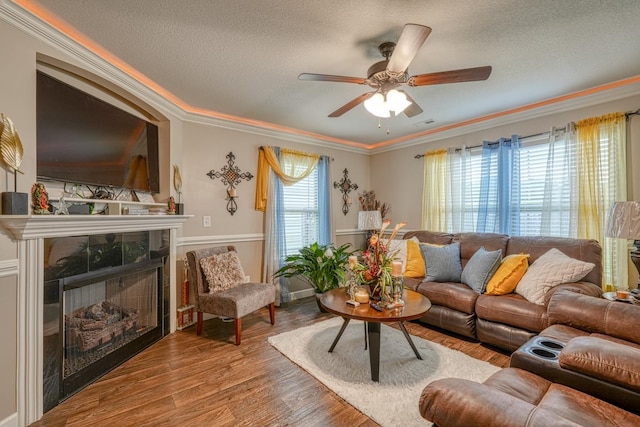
(186, 380)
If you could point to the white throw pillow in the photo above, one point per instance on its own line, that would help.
(551, 269)
(399, 247)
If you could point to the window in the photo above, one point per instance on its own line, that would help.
(301, 213)
(544, 210)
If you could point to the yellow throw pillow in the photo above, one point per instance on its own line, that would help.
(511, 270)
(415, 262)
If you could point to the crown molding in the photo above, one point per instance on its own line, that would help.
(32, 25)
(527, 112)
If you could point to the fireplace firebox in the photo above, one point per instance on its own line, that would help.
(104, 302)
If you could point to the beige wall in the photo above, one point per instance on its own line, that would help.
(200, 147)
(205, 148)
(403, 188)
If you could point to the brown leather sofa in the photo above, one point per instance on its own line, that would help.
(514, 397)
(584, 369)
(505, 321)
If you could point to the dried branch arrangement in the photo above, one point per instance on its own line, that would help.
(368, 202)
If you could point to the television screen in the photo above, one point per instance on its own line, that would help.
(84, 140)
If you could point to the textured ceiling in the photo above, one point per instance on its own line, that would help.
(242, 58)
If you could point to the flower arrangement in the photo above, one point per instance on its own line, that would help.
(376, 266)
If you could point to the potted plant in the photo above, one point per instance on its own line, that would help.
(321, 266)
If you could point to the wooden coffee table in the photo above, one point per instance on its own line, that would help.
(416, 305)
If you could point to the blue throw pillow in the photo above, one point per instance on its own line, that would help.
(442, 263)
(480, 269)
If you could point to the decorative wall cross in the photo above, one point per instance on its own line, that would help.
(230, 175)
(345, 186)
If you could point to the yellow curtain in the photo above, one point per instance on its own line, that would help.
(598, 189)
(298, 165)
(435, 192)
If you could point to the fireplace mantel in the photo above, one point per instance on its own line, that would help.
(27, 227)
(30, 232)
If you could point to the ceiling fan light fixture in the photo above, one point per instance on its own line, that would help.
(377, 106)
(397, 101)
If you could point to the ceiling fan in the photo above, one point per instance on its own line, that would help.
(387, 75)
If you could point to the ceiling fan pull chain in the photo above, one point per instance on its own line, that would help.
(379, 124)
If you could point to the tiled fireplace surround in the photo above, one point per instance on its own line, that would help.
(30, 233)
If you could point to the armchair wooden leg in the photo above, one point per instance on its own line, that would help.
(238, 324)
(199, 324)
(272, 312)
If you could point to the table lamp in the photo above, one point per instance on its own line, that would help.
(369, 221)
(624, 223)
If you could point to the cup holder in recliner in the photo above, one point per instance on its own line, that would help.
(543, 348)
(541, 352)
(551, 344)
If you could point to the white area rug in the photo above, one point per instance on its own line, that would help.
(393, 401)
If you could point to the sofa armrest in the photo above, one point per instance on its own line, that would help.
(595, 315)
(584, 288)
(605, 360)
(455, 402)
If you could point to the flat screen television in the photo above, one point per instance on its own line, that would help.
(82, 139)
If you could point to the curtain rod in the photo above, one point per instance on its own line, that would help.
(535, 135)
(627, 116)
(330, 158)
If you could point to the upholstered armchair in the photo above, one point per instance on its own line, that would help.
(218, 283)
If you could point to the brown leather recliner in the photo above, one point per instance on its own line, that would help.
(505, 321)
(583, 370)
(514, 397)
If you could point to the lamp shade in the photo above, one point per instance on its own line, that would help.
(624, 221)
(377, 106)
(369, 220)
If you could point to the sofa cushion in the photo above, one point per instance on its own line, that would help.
(471, 242)
(509, 273)
(223, 271)
(551, 269)
(587, 250)
(399, 249)
(415, 261)
(434, 237)
(602, 359)
(442, 263)
(453, 295)
(480, 268)
(512, 309)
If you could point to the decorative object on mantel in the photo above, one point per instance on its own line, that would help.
(11, 150)
(177, 185)
(171, 206)
(39, 199)
(345, 186)
(61, 207)
(230, 176)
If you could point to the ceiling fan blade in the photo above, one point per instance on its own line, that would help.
(353, 103)
(453, 76)
(330, 78)
(413, 109)
(411, 38)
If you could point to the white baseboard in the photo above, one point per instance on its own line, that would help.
(10, 421)
(303, 293)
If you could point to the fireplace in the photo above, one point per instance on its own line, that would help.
(104, 301)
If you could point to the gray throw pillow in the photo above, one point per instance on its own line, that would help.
(442, 263)
(480, 269)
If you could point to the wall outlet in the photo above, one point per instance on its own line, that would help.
(206, 221)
